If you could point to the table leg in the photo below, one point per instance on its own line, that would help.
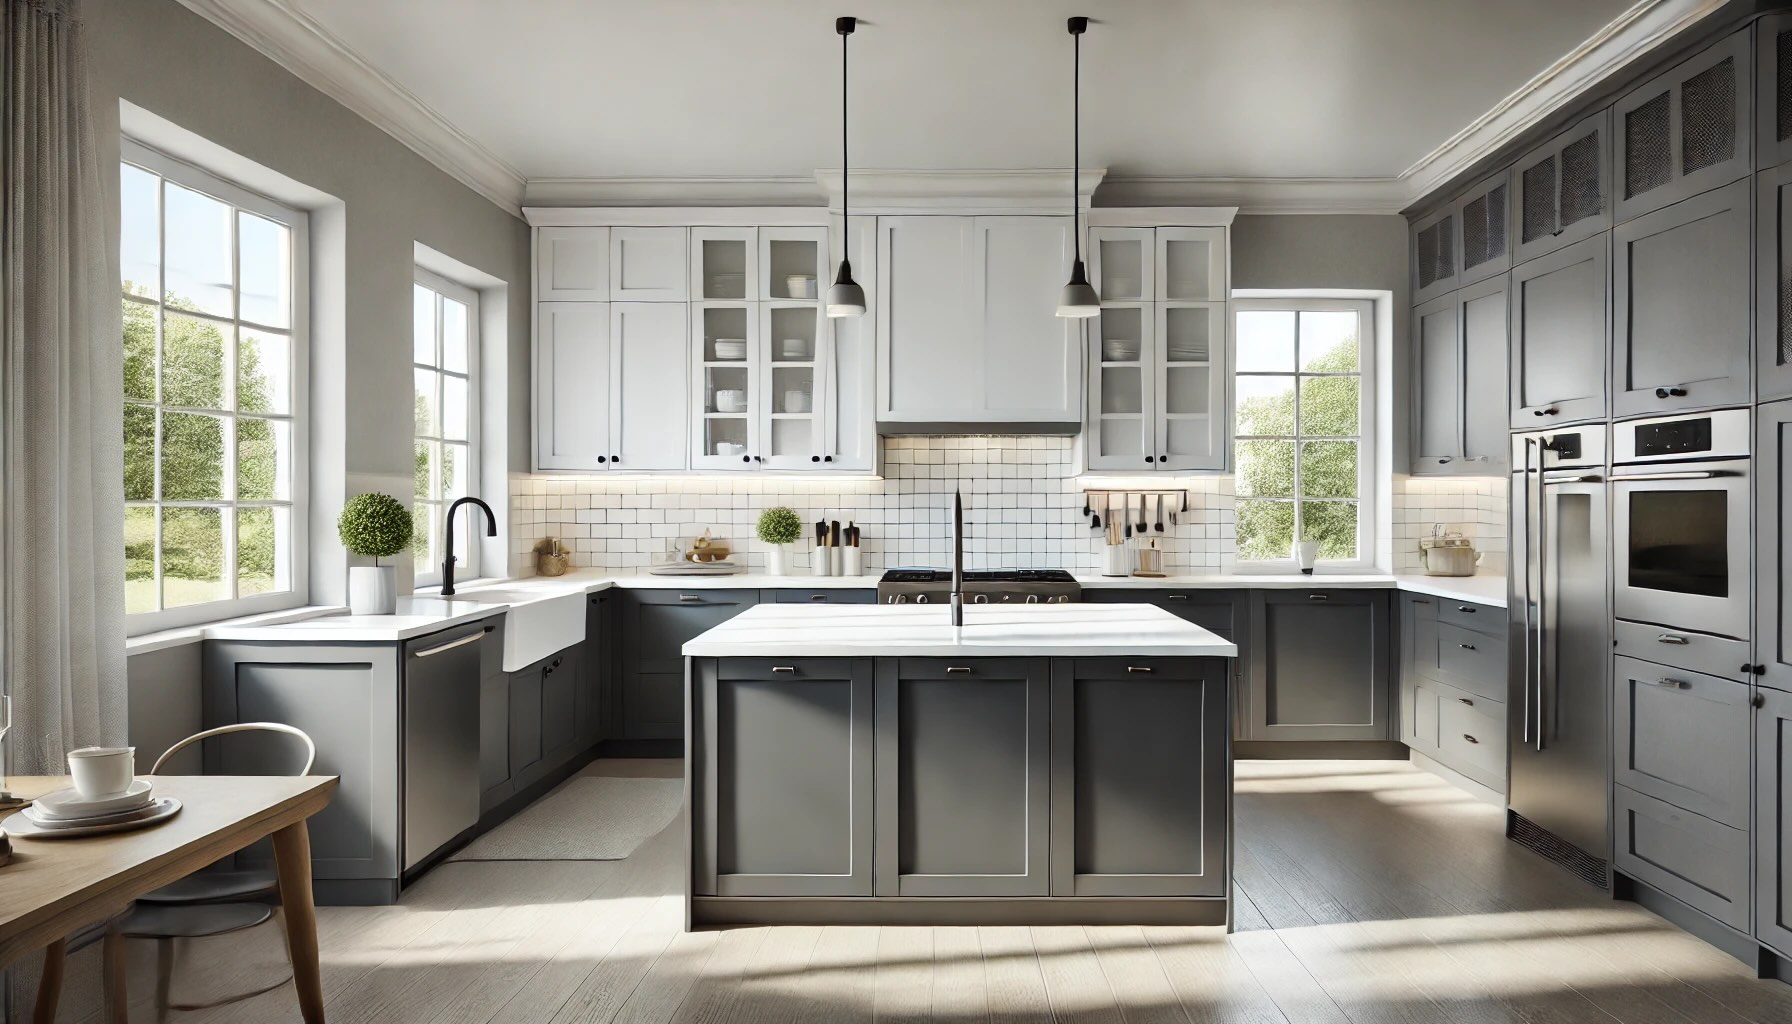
(49, 983)
(292, 860)
(113, 966)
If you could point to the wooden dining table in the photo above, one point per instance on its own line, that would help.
(56, 887)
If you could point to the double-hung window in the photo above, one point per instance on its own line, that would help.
(444, 357)
(1303, 421)
(214, 296)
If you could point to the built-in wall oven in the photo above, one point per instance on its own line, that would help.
(1680, 522)
(1559, 777)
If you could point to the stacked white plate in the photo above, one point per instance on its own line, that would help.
(1115, 350)
(731, 348)
(67, 813)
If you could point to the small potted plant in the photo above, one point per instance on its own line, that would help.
(778, 526)
(1306, 553)
(375, 526)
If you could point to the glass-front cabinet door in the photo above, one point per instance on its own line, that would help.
(724, 264)
(1121, 343)
(793, 410)
(725, 350)
(793, 264)
(1190, 384)
(1191, 265)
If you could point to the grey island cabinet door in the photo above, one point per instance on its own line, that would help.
(963, 793)
(1560, 322)
(1687, 131)
(656, 626)
(1773, 544)
(1773, 821)
(1773, 283)
(1140, 772)
(781, 772)
(1562, 190)
(1680, 305)
(1319, 665)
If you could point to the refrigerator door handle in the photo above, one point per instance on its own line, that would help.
(1541, 650)
(1530, 444)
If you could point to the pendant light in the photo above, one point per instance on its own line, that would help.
(1078, 298)
(845, 298)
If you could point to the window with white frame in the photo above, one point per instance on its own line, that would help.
(445, 354)
(214, 296)
(1303, 420)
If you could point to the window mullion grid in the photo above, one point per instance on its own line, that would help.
(1300, 429)
(155, 445)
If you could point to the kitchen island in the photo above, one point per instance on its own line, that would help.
(1041, 764)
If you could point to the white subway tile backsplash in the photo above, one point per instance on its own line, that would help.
(1023, 510)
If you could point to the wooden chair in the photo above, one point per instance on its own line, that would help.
(215, 901)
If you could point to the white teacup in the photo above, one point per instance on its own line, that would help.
(102, 771)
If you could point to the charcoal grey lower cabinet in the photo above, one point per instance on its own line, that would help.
(782, 777)
(494, 725)
(1682, 737)
(1139, 781)
(656, 625)
(820, 595)
(543, 716)
(1318, 664)
(962, 781)
(1773, 821)
(595, 702)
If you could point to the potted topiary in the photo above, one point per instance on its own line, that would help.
(376, 526)
(778, 526)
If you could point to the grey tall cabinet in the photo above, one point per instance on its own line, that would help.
(1560, 323)
(1459, 392)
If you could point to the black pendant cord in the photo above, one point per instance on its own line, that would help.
(1076, 130)
(845, 168)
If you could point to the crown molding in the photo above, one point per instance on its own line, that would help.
(1259, 195)
(1632, 34)
(685, 192)
(300, 45)
(995, 191)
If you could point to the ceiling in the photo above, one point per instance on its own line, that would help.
(1268, 89)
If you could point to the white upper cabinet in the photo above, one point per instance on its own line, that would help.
(726, 381)
(724, 264)
(646, 401)
(1157, 353)
(850, 374)
(649, 264)
(572, 263)
(572, 372)
(967, 326)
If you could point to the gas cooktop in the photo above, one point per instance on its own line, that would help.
(984, 586)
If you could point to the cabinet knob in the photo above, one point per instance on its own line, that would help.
(814, 458)
(1465, 700)
(827, 458)
(1675, 392)
(616, 458)
(1466, 609)
(1548, 410)
(1759, 700)
(1149, 458)
(602, 459)
(758, 458)
(1469, 738)
(1441, 459)
(746, 458)
(1466, 647)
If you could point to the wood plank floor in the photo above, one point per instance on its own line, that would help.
(1370, 892)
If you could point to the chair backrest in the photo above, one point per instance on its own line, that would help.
(225, 730)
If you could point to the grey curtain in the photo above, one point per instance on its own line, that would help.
(62, 492)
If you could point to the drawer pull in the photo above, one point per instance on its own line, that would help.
(956, 669)
(783, 668)
(690, 597)
(1465, 700)
(1466, 647)
(1469, 738)
(1177, 597)
(1673, 684)
(1137, 668)
(818, 597)
(1318, 597)
(1673, 638)
(1467, 608)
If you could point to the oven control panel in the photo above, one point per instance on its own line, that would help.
(1723, 434)
(1674, 437)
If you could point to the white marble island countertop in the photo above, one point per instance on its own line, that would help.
(1059, 630)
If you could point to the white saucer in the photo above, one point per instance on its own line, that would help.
(69, 803)
(22, 827)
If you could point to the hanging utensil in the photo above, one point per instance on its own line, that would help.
(1178, 500)
(1158, 502)
(1144, 525)
(1101, 503)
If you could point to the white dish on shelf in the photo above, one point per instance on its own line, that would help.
(793, 348)
(731, 400)
(730, 448)
(1119, 351)
(800, 286)
(796, 401)
(730, 348)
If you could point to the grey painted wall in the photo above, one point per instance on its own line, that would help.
(1366, 251)
(165, 704)
(170, 61)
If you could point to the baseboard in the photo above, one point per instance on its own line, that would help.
(641, 748)
(1321, 750)
(354, 892)
(1455, 778)
(739, 911)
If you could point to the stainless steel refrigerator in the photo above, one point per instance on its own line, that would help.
(1558, 791)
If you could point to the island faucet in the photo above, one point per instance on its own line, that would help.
(491, 530)
(957, 558)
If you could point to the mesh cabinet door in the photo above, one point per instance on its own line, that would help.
(1686, 131)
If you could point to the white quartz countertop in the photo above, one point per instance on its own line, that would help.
(1043, 630)
(426, 612)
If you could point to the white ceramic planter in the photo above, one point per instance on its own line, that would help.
(372, 589)
(776, 560)
(1306, 554)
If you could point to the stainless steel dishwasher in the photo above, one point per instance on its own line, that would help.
(441, 738)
